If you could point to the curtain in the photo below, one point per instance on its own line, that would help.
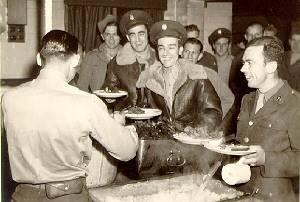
(82, 22)
(156, 14)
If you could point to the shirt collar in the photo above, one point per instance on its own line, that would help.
(273, 90)
(52, 75)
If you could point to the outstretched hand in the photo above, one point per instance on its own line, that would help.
(256, 159)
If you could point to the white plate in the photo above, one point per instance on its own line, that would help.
(226, 149)
(149, 113)
(195, 140)
(103, 93)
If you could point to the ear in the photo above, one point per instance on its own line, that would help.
(271, 67)
(74, 60)
(246, 37)
(38, 59)
(180, 50)
(200, 56)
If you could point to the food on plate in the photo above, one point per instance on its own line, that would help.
(239, 148)
(111, 90)
(154, 130)
(202, 132)
(136, 110)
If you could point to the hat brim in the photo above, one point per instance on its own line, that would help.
(103, 23)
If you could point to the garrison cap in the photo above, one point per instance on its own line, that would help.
(167, 28)
(219, 33)
(133, 18)
(103, 23)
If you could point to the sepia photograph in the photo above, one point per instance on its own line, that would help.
(150, 100)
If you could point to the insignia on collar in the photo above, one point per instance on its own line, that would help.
(164, 27)
(131, 17)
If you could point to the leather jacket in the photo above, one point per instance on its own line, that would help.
(123, 73)
(195, 102)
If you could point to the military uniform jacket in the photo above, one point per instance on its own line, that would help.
(123, 73)
(93, 69)
(276, 128)
(195, 101)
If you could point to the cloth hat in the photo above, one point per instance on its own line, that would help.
(167, 28)
(108, 19)
(295, 27)
(219, 33)
(133, 18)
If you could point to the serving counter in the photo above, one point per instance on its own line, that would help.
(169, 188)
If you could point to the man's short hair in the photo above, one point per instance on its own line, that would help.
(196, 42)
(255, 23)
(271, 28)
(59, 44)
(191, 28)
(273, 49)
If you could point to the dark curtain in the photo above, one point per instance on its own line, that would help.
(156, 14)
(82, 22)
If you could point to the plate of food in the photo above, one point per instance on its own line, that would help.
(199, 136)
(230, 149)
(110, 93)
(138, 113)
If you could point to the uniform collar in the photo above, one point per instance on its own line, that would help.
(278, 98)
(273, 90)
(102, 49)
(127, 56)
(187, 70)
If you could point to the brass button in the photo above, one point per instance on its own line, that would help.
(246, 139)
(251, 123)
(270, 125)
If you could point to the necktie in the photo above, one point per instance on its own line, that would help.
(260, 102)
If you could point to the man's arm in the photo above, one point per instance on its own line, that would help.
(209, 106)
(286, 163)
(119, 141)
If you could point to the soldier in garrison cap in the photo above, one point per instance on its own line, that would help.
(94, 65)
(181, 89)
(220, 40)
(124, 71)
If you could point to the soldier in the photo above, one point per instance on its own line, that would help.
(94, 65)
(50, 125)
(183, 93)
(220, 40)
(205, 58)
(269, 123)
(136, 55)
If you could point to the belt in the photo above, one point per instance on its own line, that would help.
(43, 185)
(36, 186)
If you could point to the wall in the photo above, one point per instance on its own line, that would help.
(18, 60)
(207, 17)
